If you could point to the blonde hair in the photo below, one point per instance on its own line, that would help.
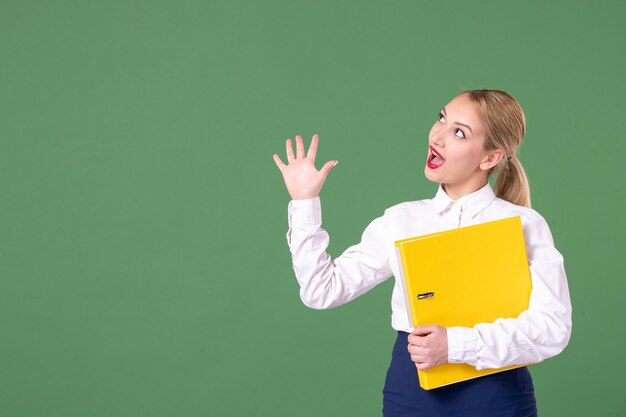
(505, 126)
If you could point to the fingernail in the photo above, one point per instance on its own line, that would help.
(336, 162)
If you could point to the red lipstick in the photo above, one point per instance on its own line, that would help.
(435, 160)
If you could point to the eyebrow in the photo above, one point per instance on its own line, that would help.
(462, 124)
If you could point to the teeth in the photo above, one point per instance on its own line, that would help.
(433, 154)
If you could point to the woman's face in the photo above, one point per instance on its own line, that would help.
(458, 138)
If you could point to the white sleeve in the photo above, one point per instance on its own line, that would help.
(324, 282)
(538, 333)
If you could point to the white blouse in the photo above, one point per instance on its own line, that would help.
(536, 334)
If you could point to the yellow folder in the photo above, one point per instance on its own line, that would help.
(462, 277)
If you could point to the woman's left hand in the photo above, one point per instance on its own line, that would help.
(428, 346)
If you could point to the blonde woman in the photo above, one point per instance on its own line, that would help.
(474, 136)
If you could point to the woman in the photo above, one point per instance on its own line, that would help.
(476, 134)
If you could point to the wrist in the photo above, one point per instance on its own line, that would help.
(303, 197)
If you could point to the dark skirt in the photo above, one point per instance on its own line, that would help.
(509, 393)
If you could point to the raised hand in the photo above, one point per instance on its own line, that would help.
(303, 181)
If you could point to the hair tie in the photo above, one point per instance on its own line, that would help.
(508, 158)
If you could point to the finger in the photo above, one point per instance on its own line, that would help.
(289, 150)
(416, 340)
(418, 358)
(327, 167)
(299, 147)
(422, 366)
(279, 162)
(422, 348)
(416, 350)
(313, 147)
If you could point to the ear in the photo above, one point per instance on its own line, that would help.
(492, 159)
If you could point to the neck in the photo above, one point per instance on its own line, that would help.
(456, 191)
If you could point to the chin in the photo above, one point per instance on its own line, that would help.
(431, 176)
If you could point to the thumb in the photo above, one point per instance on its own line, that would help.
(424, 330)
(327, 167)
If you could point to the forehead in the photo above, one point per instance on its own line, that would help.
(461, 109)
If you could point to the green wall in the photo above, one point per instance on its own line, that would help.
(144, 269)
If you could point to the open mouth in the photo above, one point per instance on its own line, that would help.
(435, 160)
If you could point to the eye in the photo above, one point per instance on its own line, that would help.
(441, 116)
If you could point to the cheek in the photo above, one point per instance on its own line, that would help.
(463, 156)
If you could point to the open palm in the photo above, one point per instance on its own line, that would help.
(303, 181)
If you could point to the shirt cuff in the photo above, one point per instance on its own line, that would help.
(305, 213)
(462, 345)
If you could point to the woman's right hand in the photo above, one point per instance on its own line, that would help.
(303, 181)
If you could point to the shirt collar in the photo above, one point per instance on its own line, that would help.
(471, 203)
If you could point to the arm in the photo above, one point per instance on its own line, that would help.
(324, 282)
(538, 333)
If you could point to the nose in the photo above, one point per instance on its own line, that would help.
(436, 139)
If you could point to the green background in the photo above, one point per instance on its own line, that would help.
(144, 269)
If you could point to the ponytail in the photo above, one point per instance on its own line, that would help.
(512, 183)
